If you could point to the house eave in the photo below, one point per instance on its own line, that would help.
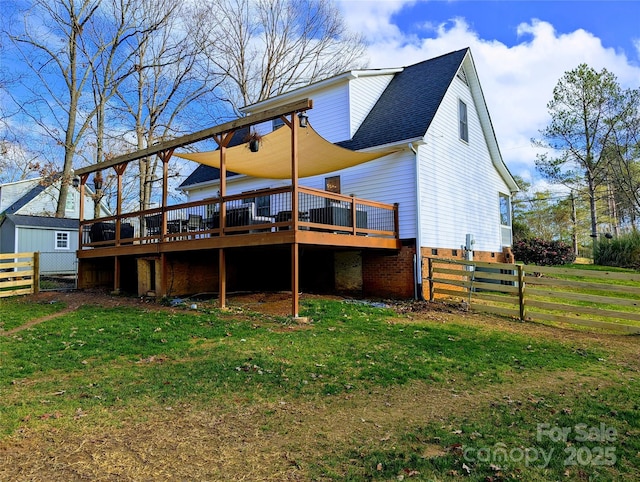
(400, 145)
(322, 84)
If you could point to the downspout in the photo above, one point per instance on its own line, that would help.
(417, 260)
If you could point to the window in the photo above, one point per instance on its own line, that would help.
(62, 240)
(71, 201)
(332, 184)
(462, 117)
(263, 204)
(505, 211)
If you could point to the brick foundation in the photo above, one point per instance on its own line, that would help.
(389, 276)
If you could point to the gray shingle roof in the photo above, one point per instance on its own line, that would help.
(43, 221)
(204, 173)
(407, 106)
(404, 110)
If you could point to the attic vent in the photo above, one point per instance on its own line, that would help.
(462, 76)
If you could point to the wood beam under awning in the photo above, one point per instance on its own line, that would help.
(267, 115)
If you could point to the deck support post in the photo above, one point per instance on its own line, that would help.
(162, 289)
(295, 279)
(164, 156)
(223, 140)
(222, 279)
(116, 274)
(83, 181)
(295, 251)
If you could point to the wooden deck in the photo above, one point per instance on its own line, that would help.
(257, 218)
(184, 248)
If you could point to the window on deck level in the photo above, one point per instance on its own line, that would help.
(462, 119)
(263, 204)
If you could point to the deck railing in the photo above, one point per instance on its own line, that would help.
(264, 211)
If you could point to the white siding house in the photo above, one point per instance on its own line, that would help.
(446, 173)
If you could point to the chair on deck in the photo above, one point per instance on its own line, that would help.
(194, 223)
(153, 224)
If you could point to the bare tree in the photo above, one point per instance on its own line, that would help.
(125, 21)
(170, 77)
(267, 47)
(51, 43)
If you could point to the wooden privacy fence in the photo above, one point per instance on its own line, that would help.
(598, 299)
(19, 274)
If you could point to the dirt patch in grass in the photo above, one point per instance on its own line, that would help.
(272, 304)
(262, 441)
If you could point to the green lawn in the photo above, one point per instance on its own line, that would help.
(112, 369)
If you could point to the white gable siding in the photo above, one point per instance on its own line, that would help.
(459, 183)
(11, 192)
(330, 115)
(364, 93)
(44, 204)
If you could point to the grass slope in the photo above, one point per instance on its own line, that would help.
(359, 393)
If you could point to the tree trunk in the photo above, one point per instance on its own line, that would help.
(592, 207)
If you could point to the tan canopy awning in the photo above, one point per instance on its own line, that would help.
(273, 161)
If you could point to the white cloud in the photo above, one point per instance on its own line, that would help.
(517, 81)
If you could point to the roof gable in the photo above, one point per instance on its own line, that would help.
(407, 106)
(25, 199)
(404, 110)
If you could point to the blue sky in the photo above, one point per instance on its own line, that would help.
(615, 23)
(520, 49)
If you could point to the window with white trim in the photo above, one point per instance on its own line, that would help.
(505, 210)
(71, 201)
(63, 240)
(506, 234)
(462, 121)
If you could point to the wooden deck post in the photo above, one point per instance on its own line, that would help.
(120, 168)
(295, 269)
(222, 279)
(223, 141)
(164, 157)
(83, 180)
(116, 274)
(162, 290)
(295, 252)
